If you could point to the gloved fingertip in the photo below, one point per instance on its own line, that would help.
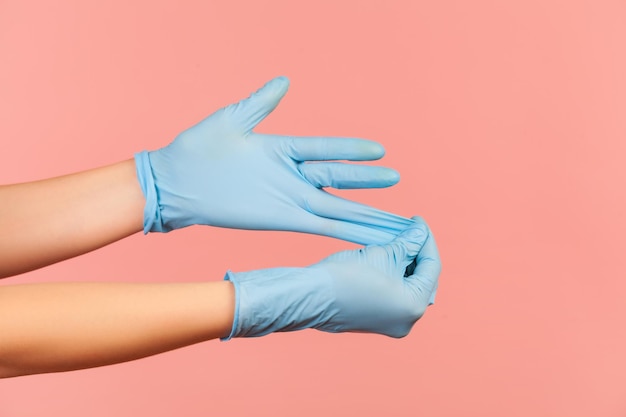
(261, 103)
(418, 219)
(282, 79)
(416, 233)
(390, 176)
(374, 150)
(277, 86)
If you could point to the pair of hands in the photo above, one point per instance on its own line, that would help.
(220, 173)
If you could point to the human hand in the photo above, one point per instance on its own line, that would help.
(362, 290)
(220, 173)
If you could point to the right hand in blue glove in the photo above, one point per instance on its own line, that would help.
(363, 290)
(220, 173)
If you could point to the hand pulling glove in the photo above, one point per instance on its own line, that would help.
(362, 290)
(220, 173)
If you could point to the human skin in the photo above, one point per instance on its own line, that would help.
(47, 221)
(66, 326)
(57, 327)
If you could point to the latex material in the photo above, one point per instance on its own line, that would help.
(363, 290)
(220, 173)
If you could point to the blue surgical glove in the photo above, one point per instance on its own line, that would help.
(220, 173)
(362, 290)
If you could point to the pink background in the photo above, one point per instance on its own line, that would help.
(506, 120)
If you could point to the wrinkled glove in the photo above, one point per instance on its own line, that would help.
(220, 173)
(362, 290)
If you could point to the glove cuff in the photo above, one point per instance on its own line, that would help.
(152, 221)
(233, 331)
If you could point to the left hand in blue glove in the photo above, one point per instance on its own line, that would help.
(363, 290)
(220, 173)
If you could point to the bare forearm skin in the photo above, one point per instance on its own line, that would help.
(68, 326)
(47, 221)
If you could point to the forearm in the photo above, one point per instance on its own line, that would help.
(68, 326)
(47, 221)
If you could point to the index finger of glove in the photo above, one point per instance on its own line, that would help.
(425, 278)
(407, 245)
(330, 148)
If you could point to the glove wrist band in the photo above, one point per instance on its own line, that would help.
(151, 214)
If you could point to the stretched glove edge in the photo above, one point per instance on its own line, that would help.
(151, 215)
